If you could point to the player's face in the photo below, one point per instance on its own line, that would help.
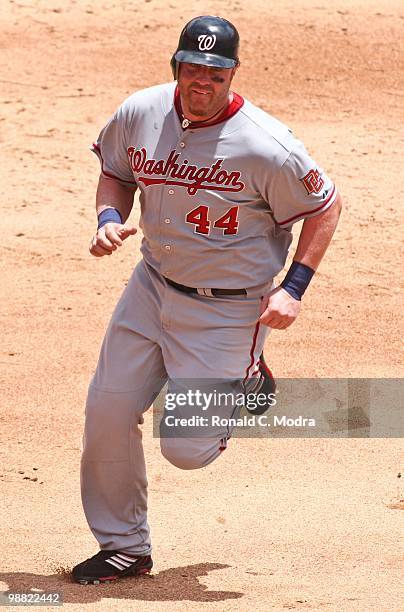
(204, 89)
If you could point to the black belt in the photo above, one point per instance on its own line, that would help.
(206, 292)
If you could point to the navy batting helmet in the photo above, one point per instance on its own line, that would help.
(208, 40)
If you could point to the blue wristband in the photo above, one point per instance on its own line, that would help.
(109, 215)
(297, 279)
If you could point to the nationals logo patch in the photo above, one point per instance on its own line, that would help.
(313, 182)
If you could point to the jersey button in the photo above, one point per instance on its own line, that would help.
(182, 145)
(171, 191)
(167, 220)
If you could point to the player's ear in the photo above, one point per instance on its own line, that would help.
(173, 65)
(234, 70)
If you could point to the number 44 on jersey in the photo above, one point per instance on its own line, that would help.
(199, 217)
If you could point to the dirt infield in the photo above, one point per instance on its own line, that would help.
(273, 524)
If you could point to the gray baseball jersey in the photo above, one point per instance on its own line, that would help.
(217, 202)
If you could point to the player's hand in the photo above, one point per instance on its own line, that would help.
(279, 309)
(109, 238)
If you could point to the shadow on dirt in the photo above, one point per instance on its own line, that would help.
(175, 584)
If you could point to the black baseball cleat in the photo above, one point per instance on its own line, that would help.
(266, 386)
(109, 565)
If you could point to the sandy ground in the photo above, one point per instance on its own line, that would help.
(273, 524)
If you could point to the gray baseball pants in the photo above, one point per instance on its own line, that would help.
(156, 334)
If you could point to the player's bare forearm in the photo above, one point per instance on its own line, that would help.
(316, 235)
(112, 194)
(279, 309)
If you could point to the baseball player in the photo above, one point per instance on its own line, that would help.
(221, 184)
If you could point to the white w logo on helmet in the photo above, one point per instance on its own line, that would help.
(206, 42)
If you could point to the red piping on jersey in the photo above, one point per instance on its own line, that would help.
(309, 212)
(97, 150)
(254, 342)
(231, 109)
